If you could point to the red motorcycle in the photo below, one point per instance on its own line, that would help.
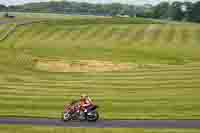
(74, 112)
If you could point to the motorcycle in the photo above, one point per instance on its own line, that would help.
(73, 112)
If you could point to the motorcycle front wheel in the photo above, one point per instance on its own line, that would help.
(93, 116)
(66, 117)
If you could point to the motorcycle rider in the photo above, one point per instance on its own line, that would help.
(71, 105)
(85, 103)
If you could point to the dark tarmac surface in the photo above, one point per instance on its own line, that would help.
(104, 123)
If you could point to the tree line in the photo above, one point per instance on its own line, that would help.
(179, 11)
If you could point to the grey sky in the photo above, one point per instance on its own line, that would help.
(14, 2)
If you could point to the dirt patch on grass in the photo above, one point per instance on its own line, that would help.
(80, 66)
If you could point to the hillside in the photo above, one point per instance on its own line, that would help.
(71, 7)
(161, 82)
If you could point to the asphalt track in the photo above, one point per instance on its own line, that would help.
(104, 123)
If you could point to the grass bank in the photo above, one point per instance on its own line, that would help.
(163, 85)
(33, 129)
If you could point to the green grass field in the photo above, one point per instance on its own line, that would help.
(163, 84)
(3, 29)
(30, 129)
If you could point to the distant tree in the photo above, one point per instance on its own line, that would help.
(161, 10)
(189, 7)
(131, 11)
(194, 13)
(115, 9)
(176, 12)
(3, 7)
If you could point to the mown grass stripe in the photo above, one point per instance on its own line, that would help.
(108, 80)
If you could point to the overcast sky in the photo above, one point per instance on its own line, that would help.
(14, 2)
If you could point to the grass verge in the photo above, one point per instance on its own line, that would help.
(33, 129)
